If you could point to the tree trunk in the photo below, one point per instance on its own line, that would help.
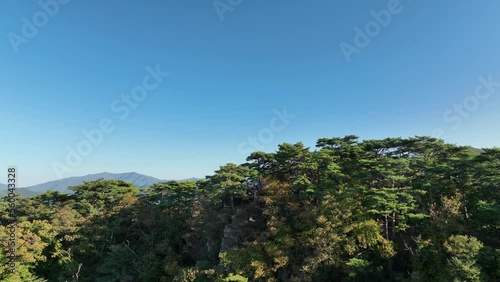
(389, 235)
(386, 228)
(393, 225)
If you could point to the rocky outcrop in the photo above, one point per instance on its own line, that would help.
(244, 227)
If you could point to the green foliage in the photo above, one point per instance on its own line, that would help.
(414, 209)
(229, 182)
(94, 197)
(235, 278)
(463, 252)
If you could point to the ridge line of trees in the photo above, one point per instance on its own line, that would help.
(396, 209)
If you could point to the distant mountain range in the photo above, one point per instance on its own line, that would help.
(25, 193)
(61, 185)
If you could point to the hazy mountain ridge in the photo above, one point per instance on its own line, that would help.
(139, 180)
(25, 193)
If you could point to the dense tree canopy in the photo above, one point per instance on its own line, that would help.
(414, 209)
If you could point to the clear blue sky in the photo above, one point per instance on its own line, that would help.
(226, 77)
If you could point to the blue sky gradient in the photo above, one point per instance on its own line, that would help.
(227, 77)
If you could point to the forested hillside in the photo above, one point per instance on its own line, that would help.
(395, 209)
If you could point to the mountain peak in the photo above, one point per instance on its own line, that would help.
(139, 180)
(62, 185)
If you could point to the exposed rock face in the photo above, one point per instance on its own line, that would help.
(244, 226)
(229, 239)
(213, 247)
(215, 234)
(231, 229)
